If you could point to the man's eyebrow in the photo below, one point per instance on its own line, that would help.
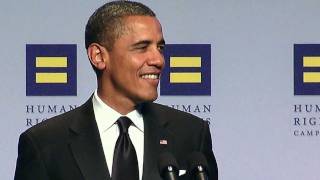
(162, 42)
(147, 42)
(144, 42)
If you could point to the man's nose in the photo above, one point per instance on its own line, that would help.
(156, 59)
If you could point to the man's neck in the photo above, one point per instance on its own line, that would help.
(121, 105)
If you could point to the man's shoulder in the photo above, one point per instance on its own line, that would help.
(60, 123)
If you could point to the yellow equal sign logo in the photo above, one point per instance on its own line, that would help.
(185, 62)
(311, 62)
(51, 77)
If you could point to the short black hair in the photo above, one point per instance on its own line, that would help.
(105, 25)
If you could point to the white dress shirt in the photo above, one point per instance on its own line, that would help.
(106, 119)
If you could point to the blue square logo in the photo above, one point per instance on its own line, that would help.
(51, 69)
(187, 71)
(307, 69)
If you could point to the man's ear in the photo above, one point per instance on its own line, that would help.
(98, 56)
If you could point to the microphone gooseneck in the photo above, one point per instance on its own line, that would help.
(168, 166)
(198, 166)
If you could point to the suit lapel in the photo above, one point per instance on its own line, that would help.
(87, 148)
(154, 132)
(86, 145)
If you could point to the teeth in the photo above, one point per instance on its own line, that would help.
(150, 76)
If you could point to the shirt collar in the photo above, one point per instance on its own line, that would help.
(107, 117)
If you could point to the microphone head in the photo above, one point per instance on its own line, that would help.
(197, 162)
(167, 161)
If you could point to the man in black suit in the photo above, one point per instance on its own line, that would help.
(124, 44)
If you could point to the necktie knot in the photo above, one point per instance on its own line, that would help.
(124, 124)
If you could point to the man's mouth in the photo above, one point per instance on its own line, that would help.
(150, 76)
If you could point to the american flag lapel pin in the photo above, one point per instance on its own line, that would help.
(163, 141)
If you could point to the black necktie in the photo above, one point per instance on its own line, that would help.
(125, 163)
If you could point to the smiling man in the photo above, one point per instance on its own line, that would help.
(119, 132)
(130, 69)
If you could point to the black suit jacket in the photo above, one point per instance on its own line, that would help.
(68, 146)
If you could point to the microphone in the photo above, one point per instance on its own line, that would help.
(168, 166)
(198, 166)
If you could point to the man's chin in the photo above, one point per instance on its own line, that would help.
(149, 98)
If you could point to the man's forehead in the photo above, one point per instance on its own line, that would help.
(140, 25)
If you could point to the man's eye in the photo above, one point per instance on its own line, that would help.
(141, 47)
(160, 48)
